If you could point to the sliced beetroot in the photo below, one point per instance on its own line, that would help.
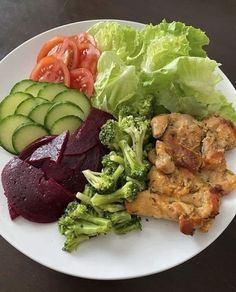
(58, 172)
(92, 159)
(53, 150)
(12, 211)
(35, 145)
(73, 162)
(98, 117)
(34, 197)
(75, 183)
(88, 134)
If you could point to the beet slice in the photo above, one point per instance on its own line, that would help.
(92, 159)
(73, 162)
(87, 136)
(34, 197)
(53, 150)
(75, 183)
(12, 211)
(58, 172)
(29, 149)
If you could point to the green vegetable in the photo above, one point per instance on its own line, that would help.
(79, 223)
(102, 181)
(132, 225)
(127, 192)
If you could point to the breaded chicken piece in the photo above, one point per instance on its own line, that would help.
(181, 129)
(220, 136)
(223, 179)
(192, 211)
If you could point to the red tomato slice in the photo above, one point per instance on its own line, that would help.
(88, 57)
(82, 79)
(51, 69)
(62, 48)
(84, 37)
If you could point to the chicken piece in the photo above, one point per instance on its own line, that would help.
(178, 183)
(184, 130)
(223, 179)
(192, 211)
(159, 125)
(164, 161)
(220, 136)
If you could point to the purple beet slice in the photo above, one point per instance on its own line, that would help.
(34, 197)
(58, 172)
(53, 150)
(29, 149)
(12, 211)
(73, 162)
(87, 136)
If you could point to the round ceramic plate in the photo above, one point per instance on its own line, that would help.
(158, 247)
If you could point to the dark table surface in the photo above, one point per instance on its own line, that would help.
(215, 268)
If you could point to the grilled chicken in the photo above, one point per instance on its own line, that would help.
(189, 172)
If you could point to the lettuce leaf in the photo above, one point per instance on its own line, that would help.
(116, 83)
(187, 85)
(112, 36)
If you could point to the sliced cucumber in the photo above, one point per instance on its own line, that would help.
(51, 90)
(22, 85)
(76, 97)
(25, 134)
(35, 88)
(70, 123)
(7, 128)
(11, 102)
(39, 112)
(25, 107)
(62, 109)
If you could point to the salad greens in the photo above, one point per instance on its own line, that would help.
(165, 61)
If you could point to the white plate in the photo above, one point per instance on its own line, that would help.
(158, 247)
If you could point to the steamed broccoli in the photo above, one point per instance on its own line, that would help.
(132, 225)
(127, 192)
(79, 223)
(104, 181)
(111, 134)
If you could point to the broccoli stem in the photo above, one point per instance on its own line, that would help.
(120, 217)
(112, 207)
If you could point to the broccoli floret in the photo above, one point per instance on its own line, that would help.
(127, 192)
(120, 217)
(103, 181)
(112, 208)
(111, 160)
(132, 225)
(136, 128)
(79, 223)
(110, 135)
(135, 167)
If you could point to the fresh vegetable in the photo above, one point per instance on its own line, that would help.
(166, 61)
(82, 79)
(51, 69)
(79, 223)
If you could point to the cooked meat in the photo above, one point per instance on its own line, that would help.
(164, 161)
(192, 211)
(220, 136)
(159, 125)
(184, 130)
(189, 172)
(223, 179)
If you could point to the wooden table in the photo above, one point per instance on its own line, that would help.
(215, 268)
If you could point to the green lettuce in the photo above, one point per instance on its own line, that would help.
(116, 83)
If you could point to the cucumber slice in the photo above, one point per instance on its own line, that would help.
(76, 97)
(25, 107)
(11, 102)
(70, 123)
(25, 134)
(35, 88)
(7, 128)
(51, 90)
(22, 85)
(39, 112)
(62, 109)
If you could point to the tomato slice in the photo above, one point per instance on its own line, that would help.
(82, 79)
(62, 48)
(84, 38)
(88, 57)
(51, 69)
